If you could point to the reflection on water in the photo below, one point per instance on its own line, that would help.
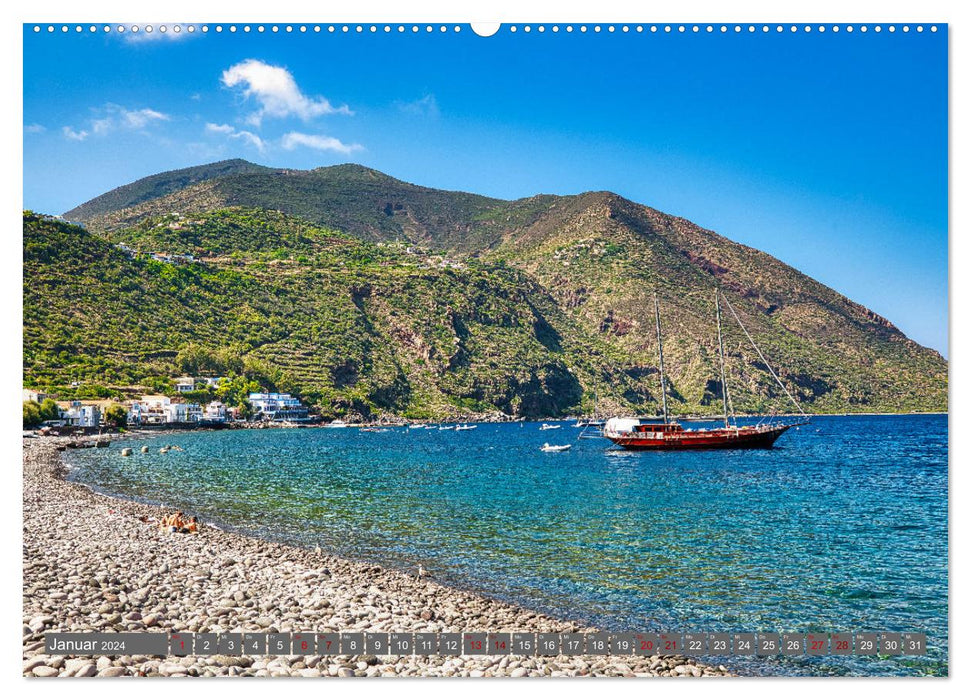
(842, 527)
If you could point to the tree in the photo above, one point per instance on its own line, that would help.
(160, 385)
(245, 409)
(49, 410)
(32, 414)
(116, 415)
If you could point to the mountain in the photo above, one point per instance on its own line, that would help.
(371, 292)
(156, 186)
(348, 325)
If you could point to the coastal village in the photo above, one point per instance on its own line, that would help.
(161, 410)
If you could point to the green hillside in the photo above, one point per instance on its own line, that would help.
(363, 291)
(156, 186)
(347, 325)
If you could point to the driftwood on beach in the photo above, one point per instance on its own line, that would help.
(91, 564)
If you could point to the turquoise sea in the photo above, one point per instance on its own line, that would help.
(841, 527)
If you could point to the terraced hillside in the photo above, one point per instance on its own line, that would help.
(369, 292)
(347, 325)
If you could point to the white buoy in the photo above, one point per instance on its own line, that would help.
(163, 450)
(126, 452)
(144, 449)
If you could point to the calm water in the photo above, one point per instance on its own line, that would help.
(841, 527)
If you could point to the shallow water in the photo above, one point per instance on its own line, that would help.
(842, 527)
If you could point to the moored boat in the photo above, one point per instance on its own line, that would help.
(547, 426)
(668, 434)
(547, 447)
(589, 423)
(466, 427)
(638, 434)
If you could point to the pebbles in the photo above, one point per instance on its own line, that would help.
(90, 565)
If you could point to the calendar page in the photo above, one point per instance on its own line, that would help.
(547, 349)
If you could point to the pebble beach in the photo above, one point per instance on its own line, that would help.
(90, 564)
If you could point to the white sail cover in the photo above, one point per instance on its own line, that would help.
(617, 426)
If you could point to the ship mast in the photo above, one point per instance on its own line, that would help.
(660, 359)
(721, 359)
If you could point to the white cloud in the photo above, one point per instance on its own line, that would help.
(101, 126)
(138, 119)
(114, 117)
(276, 92)
(73, 135)
(427, 106)
(219, 128)
(230, 131)
(35, 129)
(294, 139)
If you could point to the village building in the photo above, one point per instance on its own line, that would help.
(160, 410)
(33, 395)
(185, 384)
(215, 412)
(192, 412)
(80, 415)
(278, 407)
(150, 410)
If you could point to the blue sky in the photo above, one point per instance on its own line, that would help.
(827, 150)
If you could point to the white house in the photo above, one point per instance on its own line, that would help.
(215, 412)
(184, 384)
(192, 412)
(151, 410)
(273, 406)
(158, 410)
(81, 415)
(31, 395)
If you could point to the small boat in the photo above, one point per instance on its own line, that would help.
(126, 452)
(547, 447)
(589, 423)
(668, 434)
(336, 423)
(374, 430)
(547, 426)
(417, 426)
(446, 427)
(430, 427)
(466, 427)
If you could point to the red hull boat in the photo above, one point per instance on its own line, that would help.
(637, 434)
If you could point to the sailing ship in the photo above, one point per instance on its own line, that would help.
(641, 434)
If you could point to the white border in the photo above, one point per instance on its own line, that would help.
(436, 11)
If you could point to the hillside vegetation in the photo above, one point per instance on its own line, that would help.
(367, 294)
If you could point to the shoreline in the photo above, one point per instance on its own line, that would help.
(480, 419)
(90, 564)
